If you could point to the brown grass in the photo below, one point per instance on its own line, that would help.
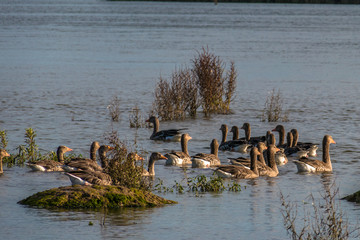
(203, 85)
(215, 90)
(273, 110)
(322, 219)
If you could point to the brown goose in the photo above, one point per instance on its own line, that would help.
(89, 173)
(271, 170)
(205, 160)
(3, 153)
(264, 170)
(241, 172)
(237, 145)
(180, 158)
(151, 166)
(242, 161)
(281, 130)
(251, 140)
(87, 177)
(312, 165)
(51, 165)
(235, 131)
(164, 135)
(311, 147)
(85, 163)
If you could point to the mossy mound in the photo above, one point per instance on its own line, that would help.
(355, 197)
(93, 197)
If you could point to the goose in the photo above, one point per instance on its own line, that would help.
(205, 160)
(85, 163)
(271, 169)
(312, 147)
(251, 140)
(246, 161)
(87, 177)
(235, 131)
(281, 158)
(313, 165)
(180, 158)
(232, 145)
(281, 130)
(164, 135)
(3, 153)
(234, 171)
(51, 165)
(89, 164)
(151, 166)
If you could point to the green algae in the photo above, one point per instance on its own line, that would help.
(94, 197)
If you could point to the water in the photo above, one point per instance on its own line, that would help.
(62, 62)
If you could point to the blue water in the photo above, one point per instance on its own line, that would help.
(63, 61)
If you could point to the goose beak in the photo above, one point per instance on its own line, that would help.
(163, 157)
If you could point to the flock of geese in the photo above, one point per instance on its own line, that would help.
(264, 158)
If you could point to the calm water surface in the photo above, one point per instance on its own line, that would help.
(63, 61)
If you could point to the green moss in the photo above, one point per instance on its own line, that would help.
(94, 197)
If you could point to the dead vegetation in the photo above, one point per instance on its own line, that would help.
(205, 85)
(323, 219)
(273, 109)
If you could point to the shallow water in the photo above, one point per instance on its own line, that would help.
(62, 62)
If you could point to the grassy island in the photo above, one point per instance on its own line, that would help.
(94, 197)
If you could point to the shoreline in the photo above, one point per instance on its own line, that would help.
(254, 1)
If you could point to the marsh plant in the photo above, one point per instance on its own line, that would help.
(323, 219)
(177, 99)
(123, 168)
(204, 85)
(114, 108)
(3, 139)
(273, 109)
(136, 118)
(216, 90)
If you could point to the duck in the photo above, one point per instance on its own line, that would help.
(164, 135)
(180, 158)
(312, 147)
(151, 165)
(313, 165)
(3, 153)
(206, 160)
(85, 163)
(251, 140)
(51, 165)
(241, 172)
(232, 145)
